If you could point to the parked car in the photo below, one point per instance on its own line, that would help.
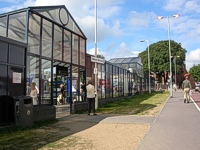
(197, 87)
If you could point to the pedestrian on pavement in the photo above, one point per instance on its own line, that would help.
(186, 86)
(90, 97)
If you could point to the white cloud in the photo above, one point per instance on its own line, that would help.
(140, 20)
(193, 58)
(174, 5)
(99, 51)
(122, 52)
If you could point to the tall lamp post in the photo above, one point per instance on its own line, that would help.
(148, 64)
(170, 61)
(95, 42)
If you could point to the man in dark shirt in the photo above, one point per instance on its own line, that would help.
(186, 86)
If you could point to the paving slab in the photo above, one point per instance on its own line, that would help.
(175, 128)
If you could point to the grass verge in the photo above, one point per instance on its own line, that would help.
(145, 104)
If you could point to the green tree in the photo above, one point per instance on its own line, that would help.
(159, 58)
(195, 72)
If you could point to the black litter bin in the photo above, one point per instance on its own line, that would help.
(24, 111)
(7, 110)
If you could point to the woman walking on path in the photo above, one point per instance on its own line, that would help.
(90, 97)
(186, 86)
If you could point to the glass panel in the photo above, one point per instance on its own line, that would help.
(108, 85)
(46, 38)
(112, 60)
(75, 84)
(119, 60)
(82, 52)
(121, 82)
(103, 84)
(57, 46)
(16, 27)
(82, 84)
(111, 85)
(125, 66)
(125, 84)
(99, 84)
(75, 57)
(126, 60)
(17, 55)
(3, 81)
(3, 21)
(34, 34)
(3, 51)
(32, 70)
(45, 82)
(61, 16)
(67, 46)
(115, 85)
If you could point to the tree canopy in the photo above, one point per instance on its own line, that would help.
(195, 72)
(159, 58)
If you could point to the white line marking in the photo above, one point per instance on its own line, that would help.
(195, 104)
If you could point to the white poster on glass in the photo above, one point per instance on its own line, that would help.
(17, 77)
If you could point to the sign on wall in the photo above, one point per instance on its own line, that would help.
(97, 60)
(17, 77)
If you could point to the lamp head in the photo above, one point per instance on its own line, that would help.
(176, 15)
(160, 17)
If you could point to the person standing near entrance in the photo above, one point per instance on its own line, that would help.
(186, 86)
(90, 97)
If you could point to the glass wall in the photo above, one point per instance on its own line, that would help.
(3, 23)
(57, 43)
(46, 38)
(32, 74)
(45, 82)
(67, 46)
(34, 34)
(75, 45)
(16, 26)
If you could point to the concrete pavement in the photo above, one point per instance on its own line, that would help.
(175, 128)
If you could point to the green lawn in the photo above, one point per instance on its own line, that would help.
(137, 105)
(42, 133)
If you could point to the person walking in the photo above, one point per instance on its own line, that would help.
(186, 86)
(90, 97)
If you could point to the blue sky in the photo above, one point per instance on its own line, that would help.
(123, 23)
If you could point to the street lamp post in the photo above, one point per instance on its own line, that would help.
(170, 61)
(148, 64)
(95, 42)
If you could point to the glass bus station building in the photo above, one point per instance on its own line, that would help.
(45, 45)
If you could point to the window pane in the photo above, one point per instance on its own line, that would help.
(3, 21)
(75, 84)
(75, 49)
(34, 34)
(45, 82)
(82, 52)
(57, 47)
(46, 38)
(16, 28)
(33, 73)
(67, 46)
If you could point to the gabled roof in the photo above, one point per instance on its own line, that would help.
(126, 60)
(58, 14)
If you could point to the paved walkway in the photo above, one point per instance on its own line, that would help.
(176, 127)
